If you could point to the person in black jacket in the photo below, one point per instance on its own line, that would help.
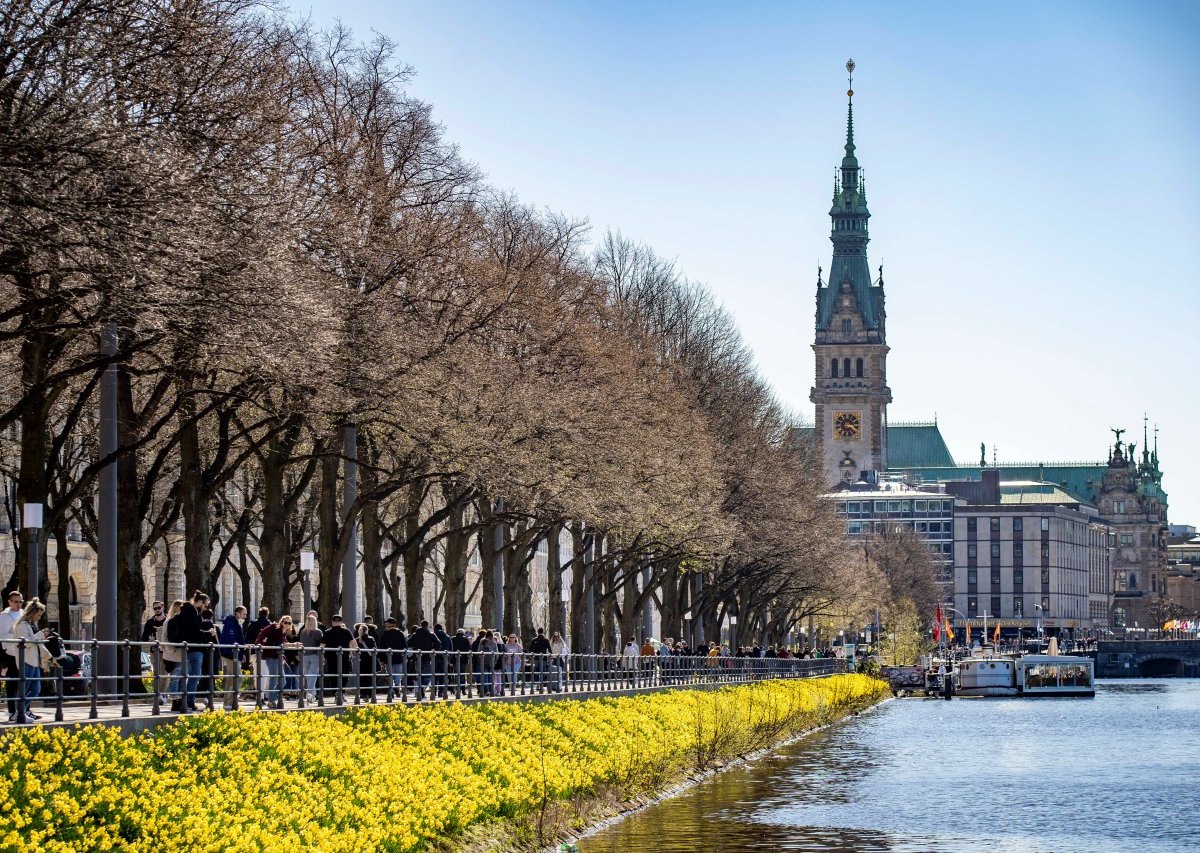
(191, 629)
(460, 662)
(441, 660)
(338, 641)
(425, 641)
(393, 649)
(539, 650)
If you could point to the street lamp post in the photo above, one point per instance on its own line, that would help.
(1038, 609)
(32, 520)
(733, 633)
(307, 560)
(564, 604)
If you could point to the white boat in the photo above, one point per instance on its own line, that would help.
(1026, 675)
(987, 675)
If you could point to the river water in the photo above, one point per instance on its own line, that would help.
(1120, 772)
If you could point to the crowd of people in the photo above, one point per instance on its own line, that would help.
(197, 661)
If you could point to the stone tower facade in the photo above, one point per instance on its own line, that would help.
(850, 389)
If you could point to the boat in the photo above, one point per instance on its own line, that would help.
(1026, 675)
(987, 675)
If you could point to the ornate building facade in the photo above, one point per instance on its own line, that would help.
(850, 388)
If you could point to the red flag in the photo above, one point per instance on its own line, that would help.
(968, 633)
(937, 625)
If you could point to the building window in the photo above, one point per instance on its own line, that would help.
(858, 368)
(1045, 577)
(1118, 617)
(1018, 577)
(995, 605)
(995, 550)
(1018, 550)
(1045, 524)
(1132, 581)
(1046, 552)
(833, 367)
(972, 606)
(1126, 538)
(854, 528)
(1119, 507)
(995, 577)
(972, 576)
(846, 361)
(1018, 607)
(1122, 583)
(995, 525)
(1045, 604)
(972, 525)
(847, 328)
(1017, 525)
(880, 506)
(972, 551)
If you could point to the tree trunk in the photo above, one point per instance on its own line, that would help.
(372, 531)
(271, 541)
(554, 580)
(62, 558)
(487, 557)
(414, 555)
(193, 495)
(131, 587)
(330, 568)
(454, 570)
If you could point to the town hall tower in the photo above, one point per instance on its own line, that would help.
(850, 390)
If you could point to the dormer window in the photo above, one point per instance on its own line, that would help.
(847, 327)
(833, 368)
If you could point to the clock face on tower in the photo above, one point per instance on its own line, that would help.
(847, 425)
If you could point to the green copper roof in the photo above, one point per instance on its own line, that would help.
(917, 445)
(1035, 493)
(1081, 479)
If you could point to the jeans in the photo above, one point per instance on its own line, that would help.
(399, 672)
(291, 677)
(232, 670)
(195, 664)
(512, 669)
(33, 686)
(274, 684)
(310, 665)
(423, 682)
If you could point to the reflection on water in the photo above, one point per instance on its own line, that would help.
(1107, 774)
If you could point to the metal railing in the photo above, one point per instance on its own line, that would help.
(164, 678)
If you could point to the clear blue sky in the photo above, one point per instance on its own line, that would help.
(1031, 170)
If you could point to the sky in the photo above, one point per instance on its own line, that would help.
(1031, 172)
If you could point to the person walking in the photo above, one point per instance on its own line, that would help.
(539, 656)
(29, 640)
(310, 638)
(393, 649)
(338, 641)
(560, 652)
(190, 629)
(424, 642)
(272, 638)
(488, 648)
(149, 636)
(8, 621)
(169, 641)
(441, 662)
(460, 647)
(514, 662)
(232, 639)
(366, 659)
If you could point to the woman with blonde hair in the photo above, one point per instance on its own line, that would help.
(29, 656)
(172, 654)
(310, 656)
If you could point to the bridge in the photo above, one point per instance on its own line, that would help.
(1148, 659)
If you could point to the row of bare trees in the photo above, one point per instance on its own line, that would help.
(301, 269)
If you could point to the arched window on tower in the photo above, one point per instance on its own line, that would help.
(833, 368)
(858, 367)
(846, 367)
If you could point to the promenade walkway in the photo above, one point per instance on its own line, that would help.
(400, 679)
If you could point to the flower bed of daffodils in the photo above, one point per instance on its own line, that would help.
(378, 778)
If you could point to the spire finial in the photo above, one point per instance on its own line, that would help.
(850, 109)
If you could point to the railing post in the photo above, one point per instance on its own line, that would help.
(125, 681)
(59, 686)
(21, 680)
(339, 697)
(237, 675)
(258, 677)
(155, 663)
(211, 666)
(321, 678)
(94, 713)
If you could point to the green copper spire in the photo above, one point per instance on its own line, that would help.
(850, 273)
